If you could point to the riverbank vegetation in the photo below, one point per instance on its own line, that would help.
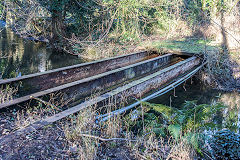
(84, 24)
(157, 132)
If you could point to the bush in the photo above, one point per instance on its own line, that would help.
(225, 145)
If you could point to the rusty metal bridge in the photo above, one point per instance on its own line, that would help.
(140, 75)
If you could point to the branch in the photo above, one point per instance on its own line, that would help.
(46, 103)
(104, 139)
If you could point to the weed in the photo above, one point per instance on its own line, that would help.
(41, 109)
(181, 150)
(7, 93)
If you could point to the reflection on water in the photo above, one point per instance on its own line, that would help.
(188, 92)
(20, 57)
(230, 118)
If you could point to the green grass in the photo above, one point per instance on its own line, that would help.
(195, 46)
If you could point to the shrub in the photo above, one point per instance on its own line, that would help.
(225, 145)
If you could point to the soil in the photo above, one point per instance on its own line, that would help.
(50, 143)
(47, 143)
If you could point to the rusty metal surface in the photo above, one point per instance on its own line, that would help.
(140, 87)
(84, 87)
(53, 78)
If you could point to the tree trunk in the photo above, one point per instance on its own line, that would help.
(58, 26)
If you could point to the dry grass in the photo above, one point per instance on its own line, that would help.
(181, 150)
(7, 93)
(83, 123)
(108, 49)
(86, 136)
(232, 100)
(84, 132)
(43, 109)
(220, 71)
(149, 147)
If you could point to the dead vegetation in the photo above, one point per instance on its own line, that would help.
(85, 136)
(91, 138)
(37, 109)
(7, 93)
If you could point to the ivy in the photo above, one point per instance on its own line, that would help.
(225, 145)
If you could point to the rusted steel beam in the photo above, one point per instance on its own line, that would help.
(84, 87)
(136, 88)
(41, 81)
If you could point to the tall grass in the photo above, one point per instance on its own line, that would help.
(86, 133)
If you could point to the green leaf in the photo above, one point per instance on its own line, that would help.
(175, 130)
(159, 131)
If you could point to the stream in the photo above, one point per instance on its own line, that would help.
(20, 57)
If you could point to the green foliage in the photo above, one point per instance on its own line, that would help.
(132, 19)
(191, 117)
(121, 21)
(167, 112)
(201, 11)
(231, 120)
(187, 122)
(225, 145)
(185, 45)
(194, 12)
(1, 9)
(214, 6)
(87, 18)
(175, 130)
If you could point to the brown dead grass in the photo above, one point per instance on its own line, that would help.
(7, 93)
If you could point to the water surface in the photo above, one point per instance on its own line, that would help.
(20, 57)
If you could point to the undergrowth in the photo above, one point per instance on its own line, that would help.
(28, 113)
(185, 124)
(153, 131)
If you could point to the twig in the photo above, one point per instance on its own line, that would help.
(207, 155)
(46, 103)
(141, 156)
(174, 92)
(104, 139)
(184, 86)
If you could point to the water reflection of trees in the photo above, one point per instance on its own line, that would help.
(20, 56)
